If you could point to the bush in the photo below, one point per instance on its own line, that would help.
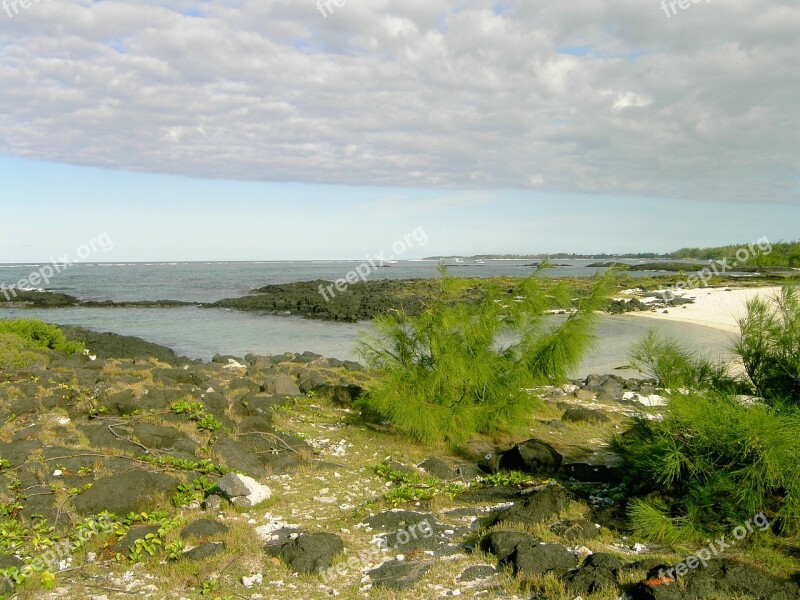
(711, 464)
(16, 353)
(675, 367)
(769, 346)
(41, 335)
(442, 375)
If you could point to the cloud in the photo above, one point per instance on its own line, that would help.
(601, 96)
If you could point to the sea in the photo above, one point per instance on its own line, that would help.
(201, 333)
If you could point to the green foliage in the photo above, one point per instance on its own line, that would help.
(197, 413)
(712, 463)
(194, 492)
(48, 580)
(17, 354)
(783, 254)
(205, 467)
(152, 542)
(43, 335)
(508, 479)
(652, 523)
(769, 346)
(148, 544)
(411, 487)
(441, 373)
(174, 550)
(675, 367)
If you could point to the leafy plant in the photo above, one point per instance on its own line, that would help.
(441, 375)
(174, 550)
(189, 494)
(508, 479)
(197, 413)
(205, 467)
(148, 544)
(48, 580)
(412, 487)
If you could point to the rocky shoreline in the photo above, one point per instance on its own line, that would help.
(257, 474)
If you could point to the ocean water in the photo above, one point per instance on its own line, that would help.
(212, 281)
(201, 333)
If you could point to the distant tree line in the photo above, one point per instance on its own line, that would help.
(784, 254)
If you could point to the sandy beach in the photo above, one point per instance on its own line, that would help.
(713, 307)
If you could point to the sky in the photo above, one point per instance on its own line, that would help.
(282, 129)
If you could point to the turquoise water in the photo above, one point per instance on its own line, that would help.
(201, 333)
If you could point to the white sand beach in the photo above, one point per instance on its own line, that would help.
(713, 307)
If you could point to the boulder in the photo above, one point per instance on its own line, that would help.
(205, 551)
(203, 528)
(438, 467)
(243, 490)
(163, 438)
(722, 577)
(538, 559)
(344, 395)
(476, 573)
(131, 491)
(597, 573)
(544, 504)
(281, 385)
(237, 455)
(308, 552)
(399, 575)
(504, 543)
(532, 456)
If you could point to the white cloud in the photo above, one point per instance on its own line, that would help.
(433, 93)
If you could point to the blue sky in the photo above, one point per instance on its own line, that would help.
(51, 209)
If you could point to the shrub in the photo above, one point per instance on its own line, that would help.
(17, 353)
(769, 346)
(442, 375)
(675, 367)
(711, 464)
(42, 335)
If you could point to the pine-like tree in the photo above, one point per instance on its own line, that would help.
(442, 375)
